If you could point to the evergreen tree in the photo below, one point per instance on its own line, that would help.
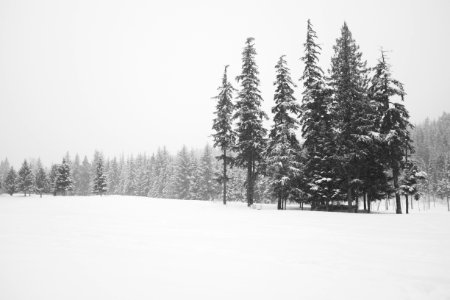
(151, 175)
(250, 132)
(410, 182)
(224, 136)
(76, 174)
(11, 182)
(351, 113)
(183, 175)
(42, 181)
(25, 180)
(85, 177)
(142, 175)
(207, 189)
(316, 126)
(283, 149)
(130, 177)
(392, 121)
(195, 181)
(114, 177)
(53, 175)
(163, 186)
(443, 184)
(64, 182)
(4, 170)
(99, 179)
(237, 185)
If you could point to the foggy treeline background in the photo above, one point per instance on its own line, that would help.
(356, 141)
(191, 173)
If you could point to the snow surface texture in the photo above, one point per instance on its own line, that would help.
(114, 247)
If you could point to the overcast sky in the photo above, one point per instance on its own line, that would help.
(129, 76)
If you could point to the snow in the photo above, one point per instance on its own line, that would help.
(115, 247)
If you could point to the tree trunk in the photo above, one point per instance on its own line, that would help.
(398, 204)
(368, 203)
(279, 201)
(364, 199)
(224, 176)
(349, 194)
(249, 182)
(407, 206)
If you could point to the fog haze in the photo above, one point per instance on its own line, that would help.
(130, 76)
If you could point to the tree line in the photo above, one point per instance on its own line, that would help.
(348, 140)
(190, 174)
(432, 143)
(354, 126)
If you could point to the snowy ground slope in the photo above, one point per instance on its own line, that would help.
(139, 248)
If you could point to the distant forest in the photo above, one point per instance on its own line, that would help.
(192, 174)
(432, 154)
(357, 144)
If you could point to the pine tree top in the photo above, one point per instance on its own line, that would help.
(312, 74)
(224, 136)
(249, 128)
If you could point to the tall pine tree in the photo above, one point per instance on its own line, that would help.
(316, 126)
(392, 121)
(251, 135)
(351, 114)
(283, 151)
(224, 136)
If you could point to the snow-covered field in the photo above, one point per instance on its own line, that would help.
(139, 248)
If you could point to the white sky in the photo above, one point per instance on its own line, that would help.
(129, 76)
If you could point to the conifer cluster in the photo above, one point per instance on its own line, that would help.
(354, 126)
